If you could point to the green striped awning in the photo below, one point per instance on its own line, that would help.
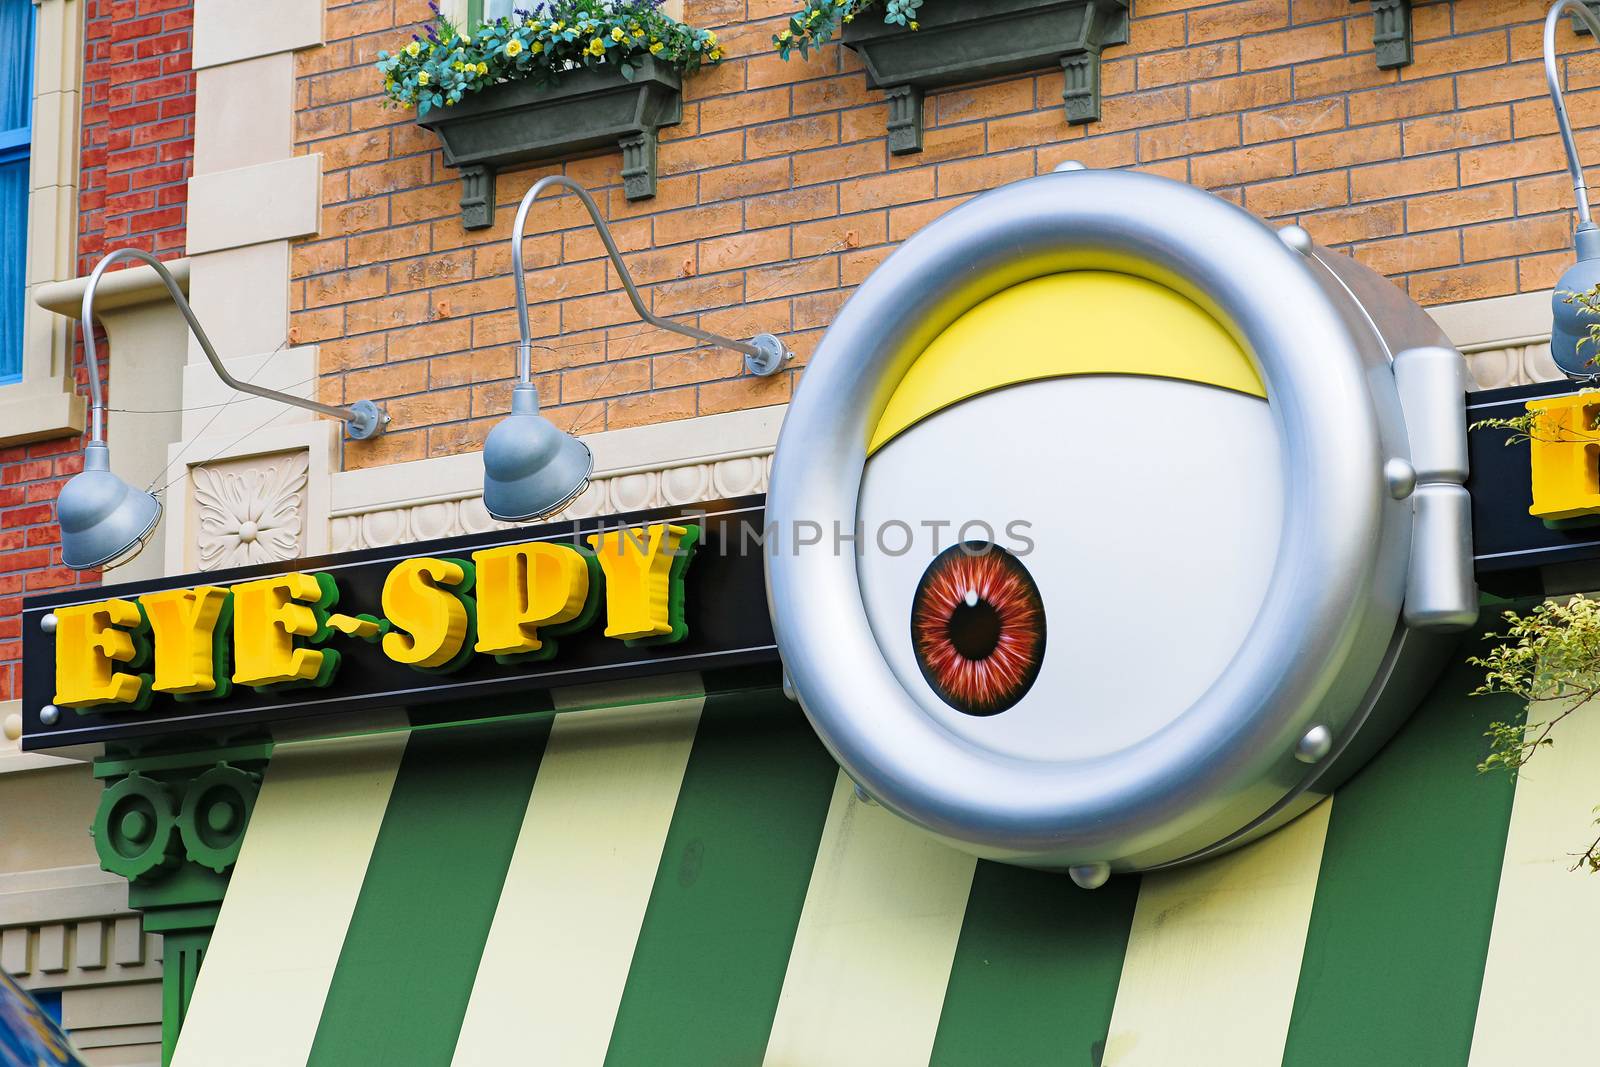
(688, 880)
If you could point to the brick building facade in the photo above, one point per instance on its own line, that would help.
(137, 142)
(778, 195)
(323, 248)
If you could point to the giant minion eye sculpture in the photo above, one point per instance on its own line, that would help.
(1115, 527)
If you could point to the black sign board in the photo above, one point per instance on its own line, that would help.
(1509, 545)
(724, 604)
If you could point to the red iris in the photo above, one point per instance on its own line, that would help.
(977, 625)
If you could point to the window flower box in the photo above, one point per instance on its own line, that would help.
(516, 123)
(957, 41)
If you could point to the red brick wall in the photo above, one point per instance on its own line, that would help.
(138, 127)
(137, 144)
(778, 195)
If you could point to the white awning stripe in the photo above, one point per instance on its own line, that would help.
(277, 941)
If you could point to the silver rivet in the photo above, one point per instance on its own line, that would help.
(861, 795)
(49, 714)
(48, 623)
(1296, 238)
(788, 688)
(1315, 745)
(1090, 875)
(1069, 165)
(1401, 477)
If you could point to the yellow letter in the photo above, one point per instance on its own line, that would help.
(524, 588)
(434, 620)
(1563, 448)
(184, 623)
(644, 580)
(268, 614)
(90, 640)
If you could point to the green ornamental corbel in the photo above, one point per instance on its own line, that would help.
(216, 810)
(134, 828)
(1391, 33)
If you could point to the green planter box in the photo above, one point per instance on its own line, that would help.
(970, 40)
(518, 122)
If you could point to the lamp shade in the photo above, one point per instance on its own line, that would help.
(103, 518)
(530, 468)
(1570, 345)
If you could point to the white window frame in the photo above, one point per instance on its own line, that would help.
(45, 402)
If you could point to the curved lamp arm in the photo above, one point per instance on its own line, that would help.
(362, 419)
(1553, 78)
(763, 354)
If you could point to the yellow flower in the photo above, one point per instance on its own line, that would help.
(716, 54)
(656, 48)
(538, 46)
(458, 66)
(617, 34)
(813, 16)
(466, 38)
(413, 49)
(849, 18)
(514, 48)
(558, 26)
(483, 68)
(914, 25)
(536, 26)
(422, 77)
(637, 32)
(711, 37)
(597, 47)
(785, 35)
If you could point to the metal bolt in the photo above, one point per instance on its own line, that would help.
(1401, 478)
(1315, 745)
(1090, 875)
(49, 714)
(47, 623)
(1296, 238)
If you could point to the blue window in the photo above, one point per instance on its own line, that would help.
(49, 1002)
(16, 141)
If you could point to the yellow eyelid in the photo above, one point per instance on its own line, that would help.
(1061, 325)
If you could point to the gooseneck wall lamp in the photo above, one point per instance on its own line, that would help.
(104, 520)
(1569, 332)
(532, 469)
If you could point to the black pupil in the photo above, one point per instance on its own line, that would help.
(974, 629)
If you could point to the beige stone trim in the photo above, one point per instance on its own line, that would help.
(147, 339)
(227, 31)
(248, 205)
(62, 894)
(12, 758)
(266, 467)
(45, 404)
(244, 113)
(1506, 339)
(217, 412)
(681, 462)
(65, 927)
(118, 1024)
(241, 296)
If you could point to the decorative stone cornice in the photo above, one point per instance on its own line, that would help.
(684, 462)
(71, 926)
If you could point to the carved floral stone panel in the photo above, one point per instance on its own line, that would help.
(250, 511)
